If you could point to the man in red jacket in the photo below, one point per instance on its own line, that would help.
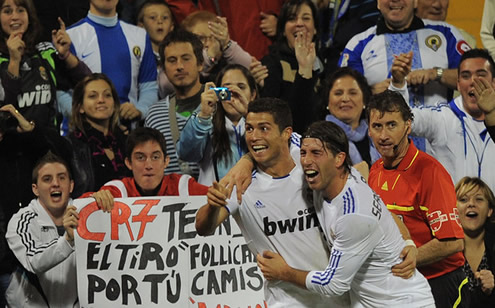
(147, 158)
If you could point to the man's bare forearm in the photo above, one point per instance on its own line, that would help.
(436, 250)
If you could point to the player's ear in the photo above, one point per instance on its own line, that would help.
(339, 159)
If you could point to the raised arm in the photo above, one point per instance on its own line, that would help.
(212, 214)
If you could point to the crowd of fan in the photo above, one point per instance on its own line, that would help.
(153, 101)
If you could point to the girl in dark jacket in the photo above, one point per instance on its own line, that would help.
(98, 141)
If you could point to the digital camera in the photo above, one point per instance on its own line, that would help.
(223, 93)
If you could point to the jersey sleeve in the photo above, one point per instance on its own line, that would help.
(351, 56)
(356, 237)
(196, 189)
(194, 137)
(429, 123)
(232, 204)
(456, 45)
(23, 236)
(147, 80)
(440, 199)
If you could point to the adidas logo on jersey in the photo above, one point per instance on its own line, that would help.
(307, 219)
(259, 205)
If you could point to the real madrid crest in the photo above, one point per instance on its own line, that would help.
(43, 73)
(434, 42)
(136, 50)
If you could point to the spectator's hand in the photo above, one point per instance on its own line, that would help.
(238, 176)
(23, 125)
(272, 265)
(239, 101)
(419, 77)
(259, 71)
(363, 169)
(209, 101)
(268, 24)
(220, 31)
(16, 46)
(129, 112)
(71, 221)
(401, 67)
(305, 53)
(380, 86)
(406, 268)
(485, 94)
(61, 40)
(104, 200)
(217, 194)
(487, 281)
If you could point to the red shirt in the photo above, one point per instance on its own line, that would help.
(172, 185)
(421, 192)
(243, 18)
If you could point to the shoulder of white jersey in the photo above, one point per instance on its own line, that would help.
(436, 24)
(439, 107)
(295, 146)
(356, 193)
(359, 38)
(133, 29)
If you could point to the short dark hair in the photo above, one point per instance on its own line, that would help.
(180, 35)
(344, 72)
(48, 158)
(333, 138)
(389, 101)
(145, 3)
(141, 135)
(278, 108)
(478, 53)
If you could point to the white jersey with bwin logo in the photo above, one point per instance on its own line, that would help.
(275, 216)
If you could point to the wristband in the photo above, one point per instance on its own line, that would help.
(227, 46)
(204, 121)
(410, 243)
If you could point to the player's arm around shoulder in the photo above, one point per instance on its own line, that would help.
(212, 214)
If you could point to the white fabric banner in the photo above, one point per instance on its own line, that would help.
(146, 253)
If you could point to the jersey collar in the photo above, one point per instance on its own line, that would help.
(381, 28)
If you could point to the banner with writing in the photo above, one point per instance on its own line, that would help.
(146, 253)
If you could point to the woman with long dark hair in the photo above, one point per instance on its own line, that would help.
(29, 68)
(214, 135)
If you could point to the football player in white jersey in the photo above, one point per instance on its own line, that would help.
(274, 214)
(365, 241)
